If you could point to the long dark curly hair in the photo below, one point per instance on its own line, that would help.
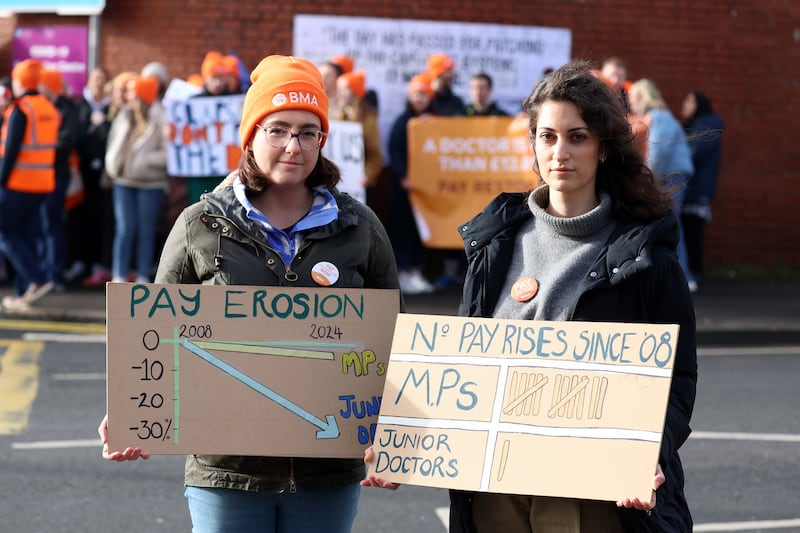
(622, 173)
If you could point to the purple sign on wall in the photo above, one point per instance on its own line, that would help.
(63, 48)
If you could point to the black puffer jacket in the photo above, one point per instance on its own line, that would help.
(214, 243)
(635, 278)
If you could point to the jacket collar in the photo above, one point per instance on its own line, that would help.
(506, 211)
(629, 249)
(223, 203)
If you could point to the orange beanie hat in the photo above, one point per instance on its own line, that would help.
(195, 79)
(420, 83)
(52, 79)
(438, 63)
(146, 88)
(213, 64)
(344, 62)
(280, 83)
(230, 65)
(28, 73)
(356, 82)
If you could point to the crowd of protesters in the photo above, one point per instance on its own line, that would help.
(88, 199)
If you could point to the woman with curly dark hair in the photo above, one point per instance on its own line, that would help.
(596, 242)
(599, 240)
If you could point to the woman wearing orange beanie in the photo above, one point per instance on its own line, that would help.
(136, 161)
(282, 201)
(403, 232)
(351, 88)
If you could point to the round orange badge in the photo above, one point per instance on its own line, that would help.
(325, 273)
(524, 289)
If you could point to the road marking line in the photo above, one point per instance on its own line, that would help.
(748, 526)
(444, 515)
(721, 435)
(65, 337)
(41, 325)
(55, 444)
(748, 350)
(80, 376)
(19, 383)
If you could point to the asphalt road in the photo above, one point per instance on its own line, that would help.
(742, 464)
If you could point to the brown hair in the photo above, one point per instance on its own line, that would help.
(325, 173)
(621, 172)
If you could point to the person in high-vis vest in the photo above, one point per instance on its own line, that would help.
(53, 252)
(27, 177)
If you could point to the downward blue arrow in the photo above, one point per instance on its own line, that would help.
(328, 429)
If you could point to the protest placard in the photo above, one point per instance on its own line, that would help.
(203, 135)
(391, 51)
(238, 370)
(570, 409)
(456, 165)
(345, 147)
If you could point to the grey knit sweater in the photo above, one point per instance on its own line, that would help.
(557, 252)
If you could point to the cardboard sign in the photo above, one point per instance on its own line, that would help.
(570, 409)
(456, 165)
(345, 147)
(237, 370)
(204, 135)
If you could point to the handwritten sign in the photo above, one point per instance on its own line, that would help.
(571, 409)
(246, 370)
(345, 147)
(456, 165)
(204, 135)
(393, 50)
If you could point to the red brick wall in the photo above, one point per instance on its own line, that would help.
(743, 54)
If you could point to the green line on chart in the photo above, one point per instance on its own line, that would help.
(309, 344)
(264, 350)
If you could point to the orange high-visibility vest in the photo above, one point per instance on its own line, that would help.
(34, 170)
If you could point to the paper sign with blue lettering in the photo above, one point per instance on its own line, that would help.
(239, 370)
(345, 147)
(203, 135)
(569, 409)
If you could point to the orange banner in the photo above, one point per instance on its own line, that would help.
(456, 165)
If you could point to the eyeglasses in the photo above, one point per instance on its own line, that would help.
(279, 137)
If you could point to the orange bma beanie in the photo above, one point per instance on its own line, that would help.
(146, 88)
(344, 62)
(438, 63)
(52, 80)
(421, 83)
(356, 82)
(28, 73)
(213, 65)
(282, 83)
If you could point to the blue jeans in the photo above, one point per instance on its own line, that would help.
(237, 511)
(20, 230)
(54, 230)
(680, 180)
(135, 217)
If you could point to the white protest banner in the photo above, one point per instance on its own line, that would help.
(204, 135)
(345, 147)
(181, 90)
(392, 51)
(568, 409)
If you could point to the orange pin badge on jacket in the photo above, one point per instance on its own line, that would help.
(524, 289)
